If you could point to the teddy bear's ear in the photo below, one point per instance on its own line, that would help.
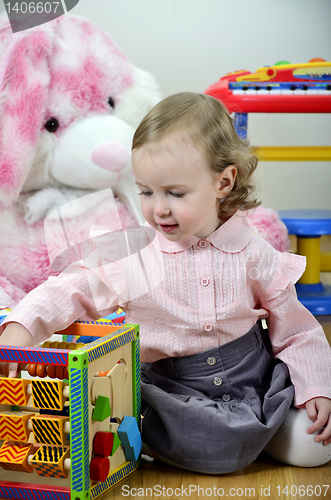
(139, 98)
(24, 83)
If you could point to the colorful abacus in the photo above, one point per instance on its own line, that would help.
(71, 429)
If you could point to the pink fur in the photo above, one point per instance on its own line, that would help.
(25, 86)
(12, 291)
(84, 85)
(267, 224)
(31, 265)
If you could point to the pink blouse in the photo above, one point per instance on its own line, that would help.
(188, 297)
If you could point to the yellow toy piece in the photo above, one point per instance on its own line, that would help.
(49, 395)
(13, 391)
(50, 429)
(14, 456)
(13, 425)
(48, 461)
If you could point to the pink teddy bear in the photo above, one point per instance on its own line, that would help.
(69, 104)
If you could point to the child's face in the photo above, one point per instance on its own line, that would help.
(180, 196)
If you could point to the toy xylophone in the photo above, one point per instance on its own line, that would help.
(282, 88)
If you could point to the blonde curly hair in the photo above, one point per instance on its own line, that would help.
(208, 123)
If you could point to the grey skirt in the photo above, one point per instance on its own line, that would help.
(215, 411)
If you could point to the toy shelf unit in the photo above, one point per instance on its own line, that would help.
(308, 226)
(71, 430)
(289, 88)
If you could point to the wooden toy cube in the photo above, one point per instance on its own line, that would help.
(103, 375)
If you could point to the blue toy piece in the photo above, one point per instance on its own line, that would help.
(132, 452)
(309, 226)
(130, 437)
(307, 223)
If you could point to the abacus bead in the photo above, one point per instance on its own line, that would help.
(41, 371)
(32, 369)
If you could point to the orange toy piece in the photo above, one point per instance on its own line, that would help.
(91, 328)
(41, 371)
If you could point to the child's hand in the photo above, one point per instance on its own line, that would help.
(14, 334)
(319, 412)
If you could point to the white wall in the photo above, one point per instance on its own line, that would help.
(189, 44)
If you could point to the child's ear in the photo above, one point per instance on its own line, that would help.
(225, 181)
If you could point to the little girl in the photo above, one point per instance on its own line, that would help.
(217, 387)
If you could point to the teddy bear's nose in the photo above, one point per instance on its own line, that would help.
(111, 156)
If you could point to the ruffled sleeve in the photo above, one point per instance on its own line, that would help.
(296, 336)
(288, 269)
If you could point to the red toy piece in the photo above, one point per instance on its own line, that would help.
(103, 443)
(99, 469)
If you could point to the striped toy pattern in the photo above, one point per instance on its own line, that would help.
(13, 391)
(47, 394)
(49, 429)
(34, 355)
(13, 456)
(13, 425)
(48, 461)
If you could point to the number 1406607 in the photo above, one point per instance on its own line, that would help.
(313, 491)
(32, 7)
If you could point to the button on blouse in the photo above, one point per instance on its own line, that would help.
(202, 243)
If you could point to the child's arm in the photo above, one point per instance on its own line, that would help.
(14, 334)
(83, 290)
(297, 337)
(319, 412)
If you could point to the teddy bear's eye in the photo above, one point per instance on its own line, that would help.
(111, 102)
(52, 125)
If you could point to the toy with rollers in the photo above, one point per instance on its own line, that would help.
(74, 434)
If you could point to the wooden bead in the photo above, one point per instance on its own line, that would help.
(99, 469)
(51, 371)
(62, 345)
(59, 372)
(41, 371)
(32, 369)
(103, 443)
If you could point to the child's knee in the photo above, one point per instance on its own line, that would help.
(293, 445)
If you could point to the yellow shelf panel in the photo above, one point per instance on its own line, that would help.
(293, 153)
